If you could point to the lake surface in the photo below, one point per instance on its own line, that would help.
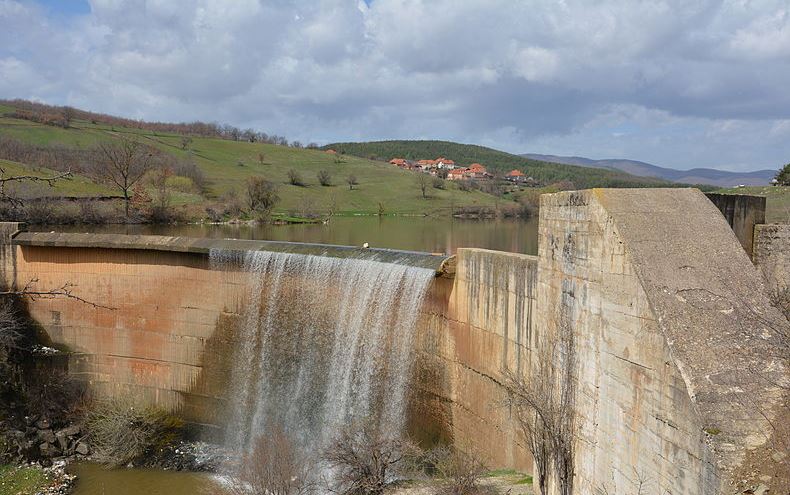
(93, 479)
(435, 235)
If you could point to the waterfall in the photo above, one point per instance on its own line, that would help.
(323, 342)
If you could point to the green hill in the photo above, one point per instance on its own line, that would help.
(226, 164)
(497, 161)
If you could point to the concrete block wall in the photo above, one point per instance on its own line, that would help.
(680, 378)
(772, 254)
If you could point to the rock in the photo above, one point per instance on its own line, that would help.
(46, 436)
(70, 431)
(47, 449)
(82, 448)
(31, 420)
(43, 424)
(63, 441)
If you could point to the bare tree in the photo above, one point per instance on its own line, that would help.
(364, 459)
(185, 142)
(423, 182)
(324, 177)
(544, 407)
(68, 115)
(352, 181)
(123, 164)
(459, 472)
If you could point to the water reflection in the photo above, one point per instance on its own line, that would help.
(437, 235)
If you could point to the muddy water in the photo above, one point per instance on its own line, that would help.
(93, 479)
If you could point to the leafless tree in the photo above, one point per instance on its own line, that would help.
(363, 459)
(124, 162)
(69, 114)
(544, 407)
(423, 182)
(273, 467)
(324, 177)
(352, 181)
(185, 142)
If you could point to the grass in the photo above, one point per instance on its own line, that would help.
(227, 164)
(21, 480)
(777, 200)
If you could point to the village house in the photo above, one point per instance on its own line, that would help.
(515, 176)
(456, 174)
(476, 171)
(444, 163)
(400, 162)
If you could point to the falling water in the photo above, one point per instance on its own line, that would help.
(324, 342)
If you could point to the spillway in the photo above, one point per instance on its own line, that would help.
(324, 342)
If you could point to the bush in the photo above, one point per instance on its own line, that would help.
(364, 459)
(121, 433)
(458, 472)
(295, 179)
(261, 195)
(324, 178)
(54, 394)
(438, 183)
(273, 467)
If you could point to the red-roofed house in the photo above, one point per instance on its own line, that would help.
(400, 162)
(331, 152)
(443, 162)
(515, 176)
(426, 164)
(477, 171)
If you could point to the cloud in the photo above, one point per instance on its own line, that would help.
(538, 76)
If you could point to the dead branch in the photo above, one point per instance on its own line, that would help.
(50, 181)
(65, 290)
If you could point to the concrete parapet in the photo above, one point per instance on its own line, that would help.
(772, 254)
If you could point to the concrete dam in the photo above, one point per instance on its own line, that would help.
(680, 373)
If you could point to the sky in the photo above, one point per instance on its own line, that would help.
(677, 83)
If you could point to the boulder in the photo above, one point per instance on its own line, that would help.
(83, 448)
(70, 431)
(63, 441)
(43, 424)
(47, 450)
(46, 436)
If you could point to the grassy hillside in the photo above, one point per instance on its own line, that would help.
(777, 200)
(227, 164)
(498, 161)
(78, 186)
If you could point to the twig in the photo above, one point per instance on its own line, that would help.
(64, 290)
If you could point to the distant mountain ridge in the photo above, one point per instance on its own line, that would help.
(708, 176)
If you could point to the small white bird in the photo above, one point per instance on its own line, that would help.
(366, 245)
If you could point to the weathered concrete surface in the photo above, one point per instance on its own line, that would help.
(477, 326)
(743, 212)
(772, 254)
(679, 377)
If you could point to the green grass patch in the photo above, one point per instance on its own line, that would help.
(526, 480)
(381, 188)
(21, 480)
(502, 472)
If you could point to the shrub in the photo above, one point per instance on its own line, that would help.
(54, 394)
(364, 459)
(273, 467)
(459, 472)
(324, 178)
(438, 183)
(121, 433)
(261, 194)
(295, 179)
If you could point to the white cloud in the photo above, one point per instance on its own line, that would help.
(508, 74)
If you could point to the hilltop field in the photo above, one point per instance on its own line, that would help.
(211, 173)
(225, 165)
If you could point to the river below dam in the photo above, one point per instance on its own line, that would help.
(433, 235)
